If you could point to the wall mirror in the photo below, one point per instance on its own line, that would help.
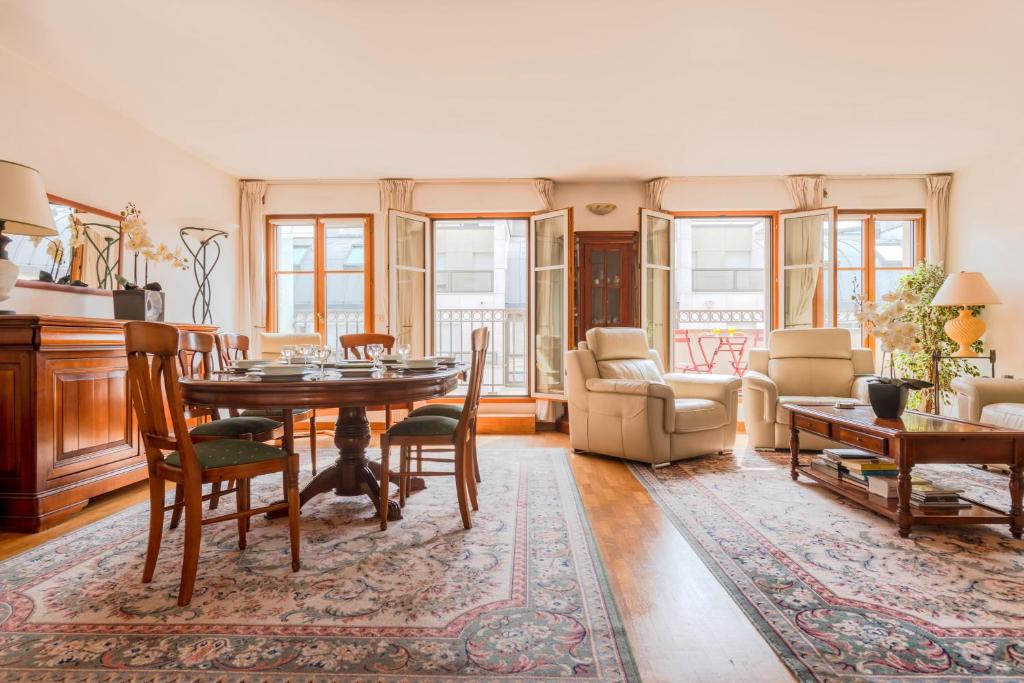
(91, 262)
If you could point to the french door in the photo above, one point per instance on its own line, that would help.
(804, 237)
(409, 247)
(550, 242)
(657, 297)
(412, 313)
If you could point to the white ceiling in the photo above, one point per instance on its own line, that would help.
(571, 89)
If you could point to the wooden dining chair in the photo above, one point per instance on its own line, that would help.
(173, 455)
(354, 346)
(437, 430)
(231, 347)
(195, 360)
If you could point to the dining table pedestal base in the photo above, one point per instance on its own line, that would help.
(351, 473)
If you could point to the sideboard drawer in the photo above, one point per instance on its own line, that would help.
(865, 441)
(809, 424)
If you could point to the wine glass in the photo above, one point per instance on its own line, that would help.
(374, 351)
(323, 354)
(286, 354)
(403, 352)
(305, 351)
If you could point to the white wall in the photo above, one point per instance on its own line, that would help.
(987, 235)
(90, 154)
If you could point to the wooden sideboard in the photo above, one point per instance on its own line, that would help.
(67, 432)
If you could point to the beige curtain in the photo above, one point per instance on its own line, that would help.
(937, 217)
(654, 190)
(804, 240)
(251, 306)
(807, 191)
(544, 188)
(549, 273)
(409, 326)
(395, 193)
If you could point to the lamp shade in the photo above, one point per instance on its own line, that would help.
(965, 289)
(24, 208)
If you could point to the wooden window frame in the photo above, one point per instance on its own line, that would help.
(319, 271)
(868, 267)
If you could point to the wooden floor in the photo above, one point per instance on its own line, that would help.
(682, 624)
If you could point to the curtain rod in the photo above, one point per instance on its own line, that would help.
(482, 181)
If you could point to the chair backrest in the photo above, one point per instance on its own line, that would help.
(153, 383)
(231, 347)
(471, 406)
(195, 354)
(623, 353)
(271, 342)
(812, 362)
(355, 344)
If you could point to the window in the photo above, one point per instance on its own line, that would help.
(872, 251)
(719, 296)
(320, 274)
(480, 280)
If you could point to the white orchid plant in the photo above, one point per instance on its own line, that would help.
(886, 321)
(135, 232)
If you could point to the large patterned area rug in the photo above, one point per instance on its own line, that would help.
(832, 587)
(521, 596)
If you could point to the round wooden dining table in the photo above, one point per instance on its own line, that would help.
(351, 474)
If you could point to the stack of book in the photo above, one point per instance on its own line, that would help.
(931, 498)
(852, 465)
(886, 487)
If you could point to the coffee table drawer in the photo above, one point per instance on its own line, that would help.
(809, 424)
(865, 441)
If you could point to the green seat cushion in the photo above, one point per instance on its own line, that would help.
(424, 425)
(227, 453)
(452, 410)
(235, 426)
(275, 413)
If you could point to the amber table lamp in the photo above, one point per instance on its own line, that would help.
(965, 289)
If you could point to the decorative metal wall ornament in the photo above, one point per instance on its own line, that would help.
(108, 255)
(205, 252)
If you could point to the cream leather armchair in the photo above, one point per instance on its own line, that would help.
(622, 403)
(801, 366)
(993, 401)
(271, 342)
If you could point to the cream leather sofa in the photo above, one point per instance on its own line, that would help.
(993, 401)
(622, 403)
(801, 366)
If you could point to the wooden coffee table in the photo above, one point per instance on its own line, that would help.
(916, 438)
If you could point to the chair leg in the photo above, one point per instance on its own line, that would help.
(178, 501)
(156, 526)
(460, 485)
(248, 498)
(403, 469)
(470, 472)
(242, 498)
(312, 440)
(385, 472)
(476, 462)
(215, 490)
(193, 539)
(292, 488)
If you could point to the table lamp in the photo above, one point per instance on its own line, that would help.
(24, 210)
(965, 289)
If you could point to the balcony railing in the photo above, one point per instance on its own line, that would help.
(505, 369)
